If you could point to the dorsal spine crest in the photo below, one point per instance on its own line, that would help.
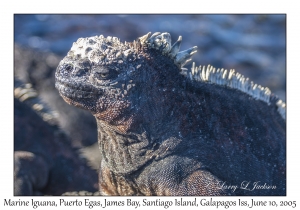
(233, 80)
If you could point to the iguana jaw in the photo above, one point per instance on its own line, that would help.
(71, 91)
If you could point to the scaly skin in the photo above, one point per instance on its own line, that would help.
(161, 133)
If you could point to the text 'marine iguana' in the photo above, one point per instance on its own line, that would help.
(167, 130)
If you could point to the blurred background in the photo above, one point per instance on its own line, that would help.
(253, 45)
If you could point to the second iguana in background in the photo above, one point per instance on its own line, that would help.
(167, 130)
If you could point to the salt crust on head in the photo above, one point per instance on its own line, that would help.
(101, 50)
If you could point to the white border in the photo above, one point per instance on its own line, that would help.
(255, 6)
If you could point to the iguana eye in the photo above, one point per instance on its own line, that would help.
(104, 75)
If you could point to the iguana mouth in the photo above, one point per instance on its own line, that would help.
(77, 90)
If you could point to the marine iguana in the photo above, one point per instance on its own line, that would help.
(167, 130)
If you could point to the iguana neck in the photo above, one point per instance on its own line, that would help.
(149, 134)
(126, 153)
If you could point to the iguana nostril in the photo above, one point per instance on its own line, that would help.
(69, 67)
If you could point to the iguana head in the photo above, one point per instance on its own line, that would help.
(111, 78)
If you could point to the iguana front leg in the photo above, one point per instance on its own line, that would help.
(201, 183)
(162, 183)
(198, 183)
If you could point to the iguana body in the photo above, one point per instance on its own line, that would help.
(164, 130)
